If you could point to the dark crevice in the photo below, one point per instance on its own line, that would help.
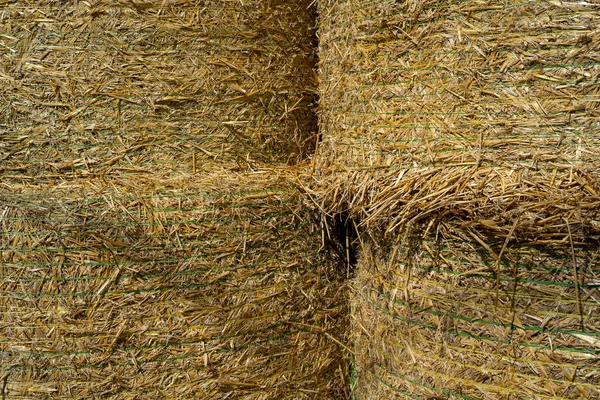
(342, 241)
(301, 132)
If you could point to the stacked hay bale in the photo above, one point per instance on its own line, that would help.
(463, 138)
(151, 243)
(162, 87)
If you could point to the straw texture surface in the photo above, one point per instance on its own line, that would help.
(482, 113)
(462, 138)
(152, 242)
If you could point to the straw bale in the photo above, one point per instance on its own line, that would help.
(463, 139)
(208, 288)
(161, 87)
(444, 320)
(486, 114)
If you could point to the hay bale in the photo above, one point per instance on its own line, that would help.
(208, 288)
(463, 138)
(152, 244)
(159, 87)
(485, 113)
(444, 319)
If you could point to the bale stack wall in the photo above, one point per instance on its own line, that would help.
(463, 139)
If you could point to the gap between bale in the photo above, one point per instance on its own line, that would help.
(342, 241)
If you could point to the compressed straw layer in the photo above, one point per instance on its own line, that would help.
(213, 290)
(153, 88)
(446, 319)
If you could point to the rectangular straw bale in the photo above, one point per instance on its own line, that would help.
(158, 87)
(483, 112)
(206, 289)
(446, 320)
